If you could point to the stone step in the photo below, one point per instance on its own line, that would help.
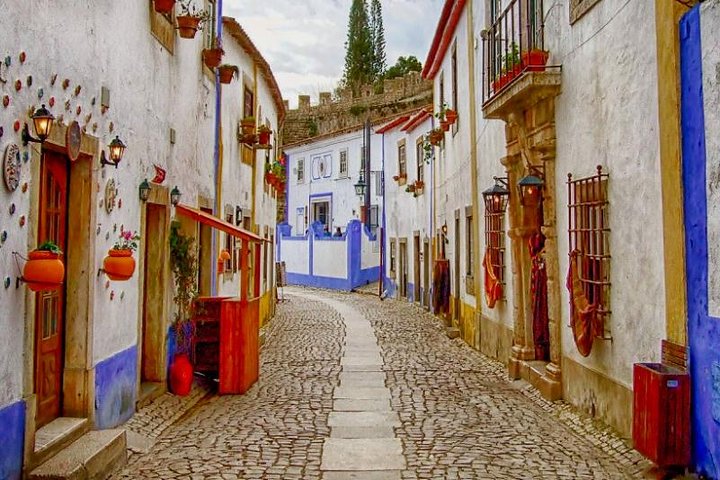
(94, 456)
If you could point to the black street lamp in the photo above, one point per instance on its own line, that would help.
(42, 122)
(496, 197)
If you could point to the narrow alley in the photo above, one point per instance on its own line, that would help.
(352, 387)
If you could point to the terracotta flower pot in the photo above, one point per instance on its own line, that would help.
(435, 137)
(119, 264)
(212, 57)
(43, 271)
(535, 60)
(451, 116)
(188, 25)
(181, 375)
(248, 127)
(264, 137)
(164, 6)
(226, 75)
(445, 125)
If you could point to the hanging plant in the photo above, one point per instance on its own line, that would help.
(184, 267)
(227, 72)
(44, 269)
(436, 136)
(190, 19)
(213, 56)
(119, 263)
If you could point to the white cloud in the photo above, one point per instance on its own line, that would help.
(304, 41)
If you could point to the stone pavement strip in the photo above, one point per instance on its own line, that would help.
(355, 388)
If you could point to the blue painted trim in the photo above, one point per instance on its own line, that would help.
(116, 388)
(411, 292)
(12, 440)
(703, 330)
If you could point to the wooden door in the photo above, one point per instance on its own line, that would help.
(416, 268)
(152, 361)
(403, 269)
(457, 270)
(50, 306)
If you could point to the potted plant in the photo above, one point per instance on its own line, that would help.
(419, 187)
(410, 188)
(164, 6)
(451, 116)
(44, 269)
(119, 263)
(248, 125)
(436, 136)
(264, 136)
(226, 73)
(213, 56)
(190, 19)
(535, 59)
(184, 267)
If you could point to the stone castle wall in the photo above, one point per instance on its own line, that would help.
(330, 115)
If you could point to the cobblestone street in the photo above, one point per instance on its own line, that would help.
(455, 414)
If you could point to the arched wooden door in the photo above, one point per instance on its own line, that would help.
(50, 306)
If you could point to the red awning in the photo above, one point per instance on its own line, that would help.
(210, 220)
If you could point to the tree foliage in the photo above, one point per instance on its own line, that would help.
(403, 66)
(378, 39)
(358, 48)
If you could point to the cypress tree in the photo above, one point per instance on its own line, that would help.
(378, 39)
(359, 52)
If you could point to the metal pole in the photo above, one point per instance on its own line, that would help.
(367, 171)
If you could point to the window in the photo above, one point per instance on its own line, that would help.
(301, 170)
(343, 164)
(589, 235)
(321, 212)
(374, 219)
(454, 105)
(420, 159)
(402, 159)
(162, 27)
(441, 88)
(578, 8)
(230, 264)
(469, 244)
(248, 103)
(495, 244)
(392, 254)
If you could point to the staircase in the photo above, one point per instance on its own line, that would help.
(95, 455)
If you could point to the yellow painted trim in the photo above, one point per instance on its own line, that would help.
(475, 340)
(254, 153)
(667, 17)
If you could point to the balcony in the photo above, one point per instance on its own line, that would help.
(515, 71)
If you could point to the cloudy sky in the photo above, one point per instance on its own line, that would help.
(304, 41)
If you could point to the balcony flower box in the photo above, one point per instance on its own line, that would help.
(534, 60)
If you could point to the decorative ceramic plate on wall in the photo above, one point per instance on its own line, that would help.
(12, 167)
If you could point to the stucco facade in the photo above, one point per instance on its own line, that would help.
(161, 102)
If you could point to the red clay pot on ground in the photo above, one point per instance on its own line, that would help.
(43, 271)
(119, 265)
(181, 375)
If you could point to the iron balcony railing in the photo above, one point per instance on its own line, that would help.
(514, 43)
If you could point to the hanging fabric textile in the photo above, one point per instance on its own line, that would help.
(538, 285)
(493, 287)
(441, 286)
(583, 314)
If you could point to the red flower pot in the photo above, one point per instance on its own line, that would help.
(181, 375)
(212, 57)
(119, 264)
(445, 125)
(226, 75)
(451, 116)
(264, 137)
(535, 60)
(188, 25)
(164, 6)
(43, 271)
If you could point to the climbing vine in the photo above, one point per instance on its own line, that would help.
(185, 271)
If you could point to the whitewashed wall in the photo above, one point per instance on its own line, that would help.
(491, 150)
(369, 251)
(295, 254)
(345, 205)
(607, 116)
(330, 258)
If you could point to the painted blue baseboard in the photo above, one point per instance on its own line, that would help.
(12, 439)
(116, 388)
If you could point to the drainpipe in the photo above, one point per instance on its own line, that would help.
(382, 228)
(217, 164)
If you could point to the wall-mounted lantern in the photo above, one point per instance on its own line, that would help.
(42, 122)
(144, 190)
(117, 150)
(444, 229)
(496, 197)
(175, 195)
(531, 186)
(360, 186)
